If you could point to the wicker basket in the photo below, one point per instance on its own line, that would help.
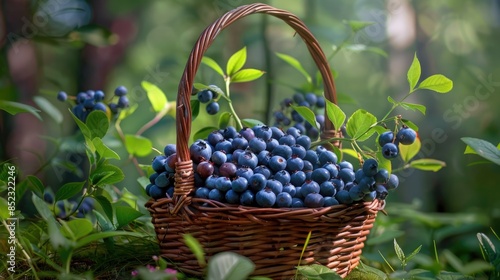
(273, 238)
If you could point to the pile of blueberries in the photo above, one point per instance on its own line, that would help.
(286, 116)
(90, 100)
(267, 167)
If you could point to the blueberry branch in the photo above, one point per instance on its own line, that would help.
(227, 96)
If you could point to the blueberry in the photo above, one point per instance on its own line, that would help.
(227, 169)
(81, 97)
(245, 172)
(393, 182)
(297, 203)
(264, 157)
(298, 97)
(309, 187)
(304, 141)
(257, 145)
(62, 96)
(282, 150)
(277, 133)
(382, 176)
(121, 91)
(295, 132)
(247, 133)
(343, 197)
(225, 146)
(200, 151)
(370, 196)
(327, 157)
(320, 175)
(385, 138)
(283, 176)
(202, 192)
(257, 182)
(213, 108)
(265, 198)
(294, 164)
(113, 107)
(271, 144)
(314, 200)
(223, 184)
(287, 140)
(390, 151)
(230, 132)
(88, 104)
(247, 198)
(338, 184)
(205, 169)
(356, 193)
(299, 151)
(313, 133)
(308, 166)
(321, 120)
(298, 178)
(147, 189)
(48, 197)
(311, 156)
(381, 192)
(211, 181)
(263, 131)
(169, 149)
(216, 195)
(406, 136)
(274, 185)
(366, 184)
(346, 165)
(123, 102)
(332, 168)
(284, 200)
(264, 170)
(100, 106)
(239, 184)
(311, 98)
(277, 163)
(320, 102)
(170, 162)
(99, 95)
(248, 159)
(330, 201)
(232, 197)
(327, 189)
(205, 96)
(289, 188)
(156, 192)
(158, 164)
(214, 138)
(162, 180)
(370, 167)
(347, 175)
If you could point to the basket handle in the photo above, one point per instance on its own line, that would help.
(184, 170)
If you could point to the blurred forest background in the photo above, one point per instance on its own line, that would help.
(76, 45)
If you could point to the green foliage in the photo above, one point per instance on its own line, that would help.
(15, 108)
(482, 148)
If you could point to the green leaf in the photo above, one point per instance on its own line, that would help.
(49, 108)
(196, 248)
(350, 152)
(295, 64)
(407, 152)
(483, 148)
(246, 75)
(365, 48)
(125, 215)
(383, 162)
(358, 25)
(469, 151)
(250, 122)
(358, 125)
(318, 272)
(98, 123)
(236, 62)
(106, 174)
(204, 132)
(427, 164)
(212, 64)
(224, 119)
(367, 272)
(69, 190)
(438, 83)
(15, 108)
(335, 114)
(414, 253)
(488, 248)
(413, 107)
(83, 127)
(337, 152)
(124, 113)
(103, 150)
(155, 95)
(36, 185)
(410, 124)
(106, 206)
(76, 229)
(414, 73)
(307, 114)
(195, 108)
(56, 238)
(138, 145)
(229, 266)
(399, 251)
(391, 100)
(101, 235)
(103, 222)
(446, 275)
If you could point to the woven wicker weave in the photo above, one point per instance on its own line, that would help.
(273, 238)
